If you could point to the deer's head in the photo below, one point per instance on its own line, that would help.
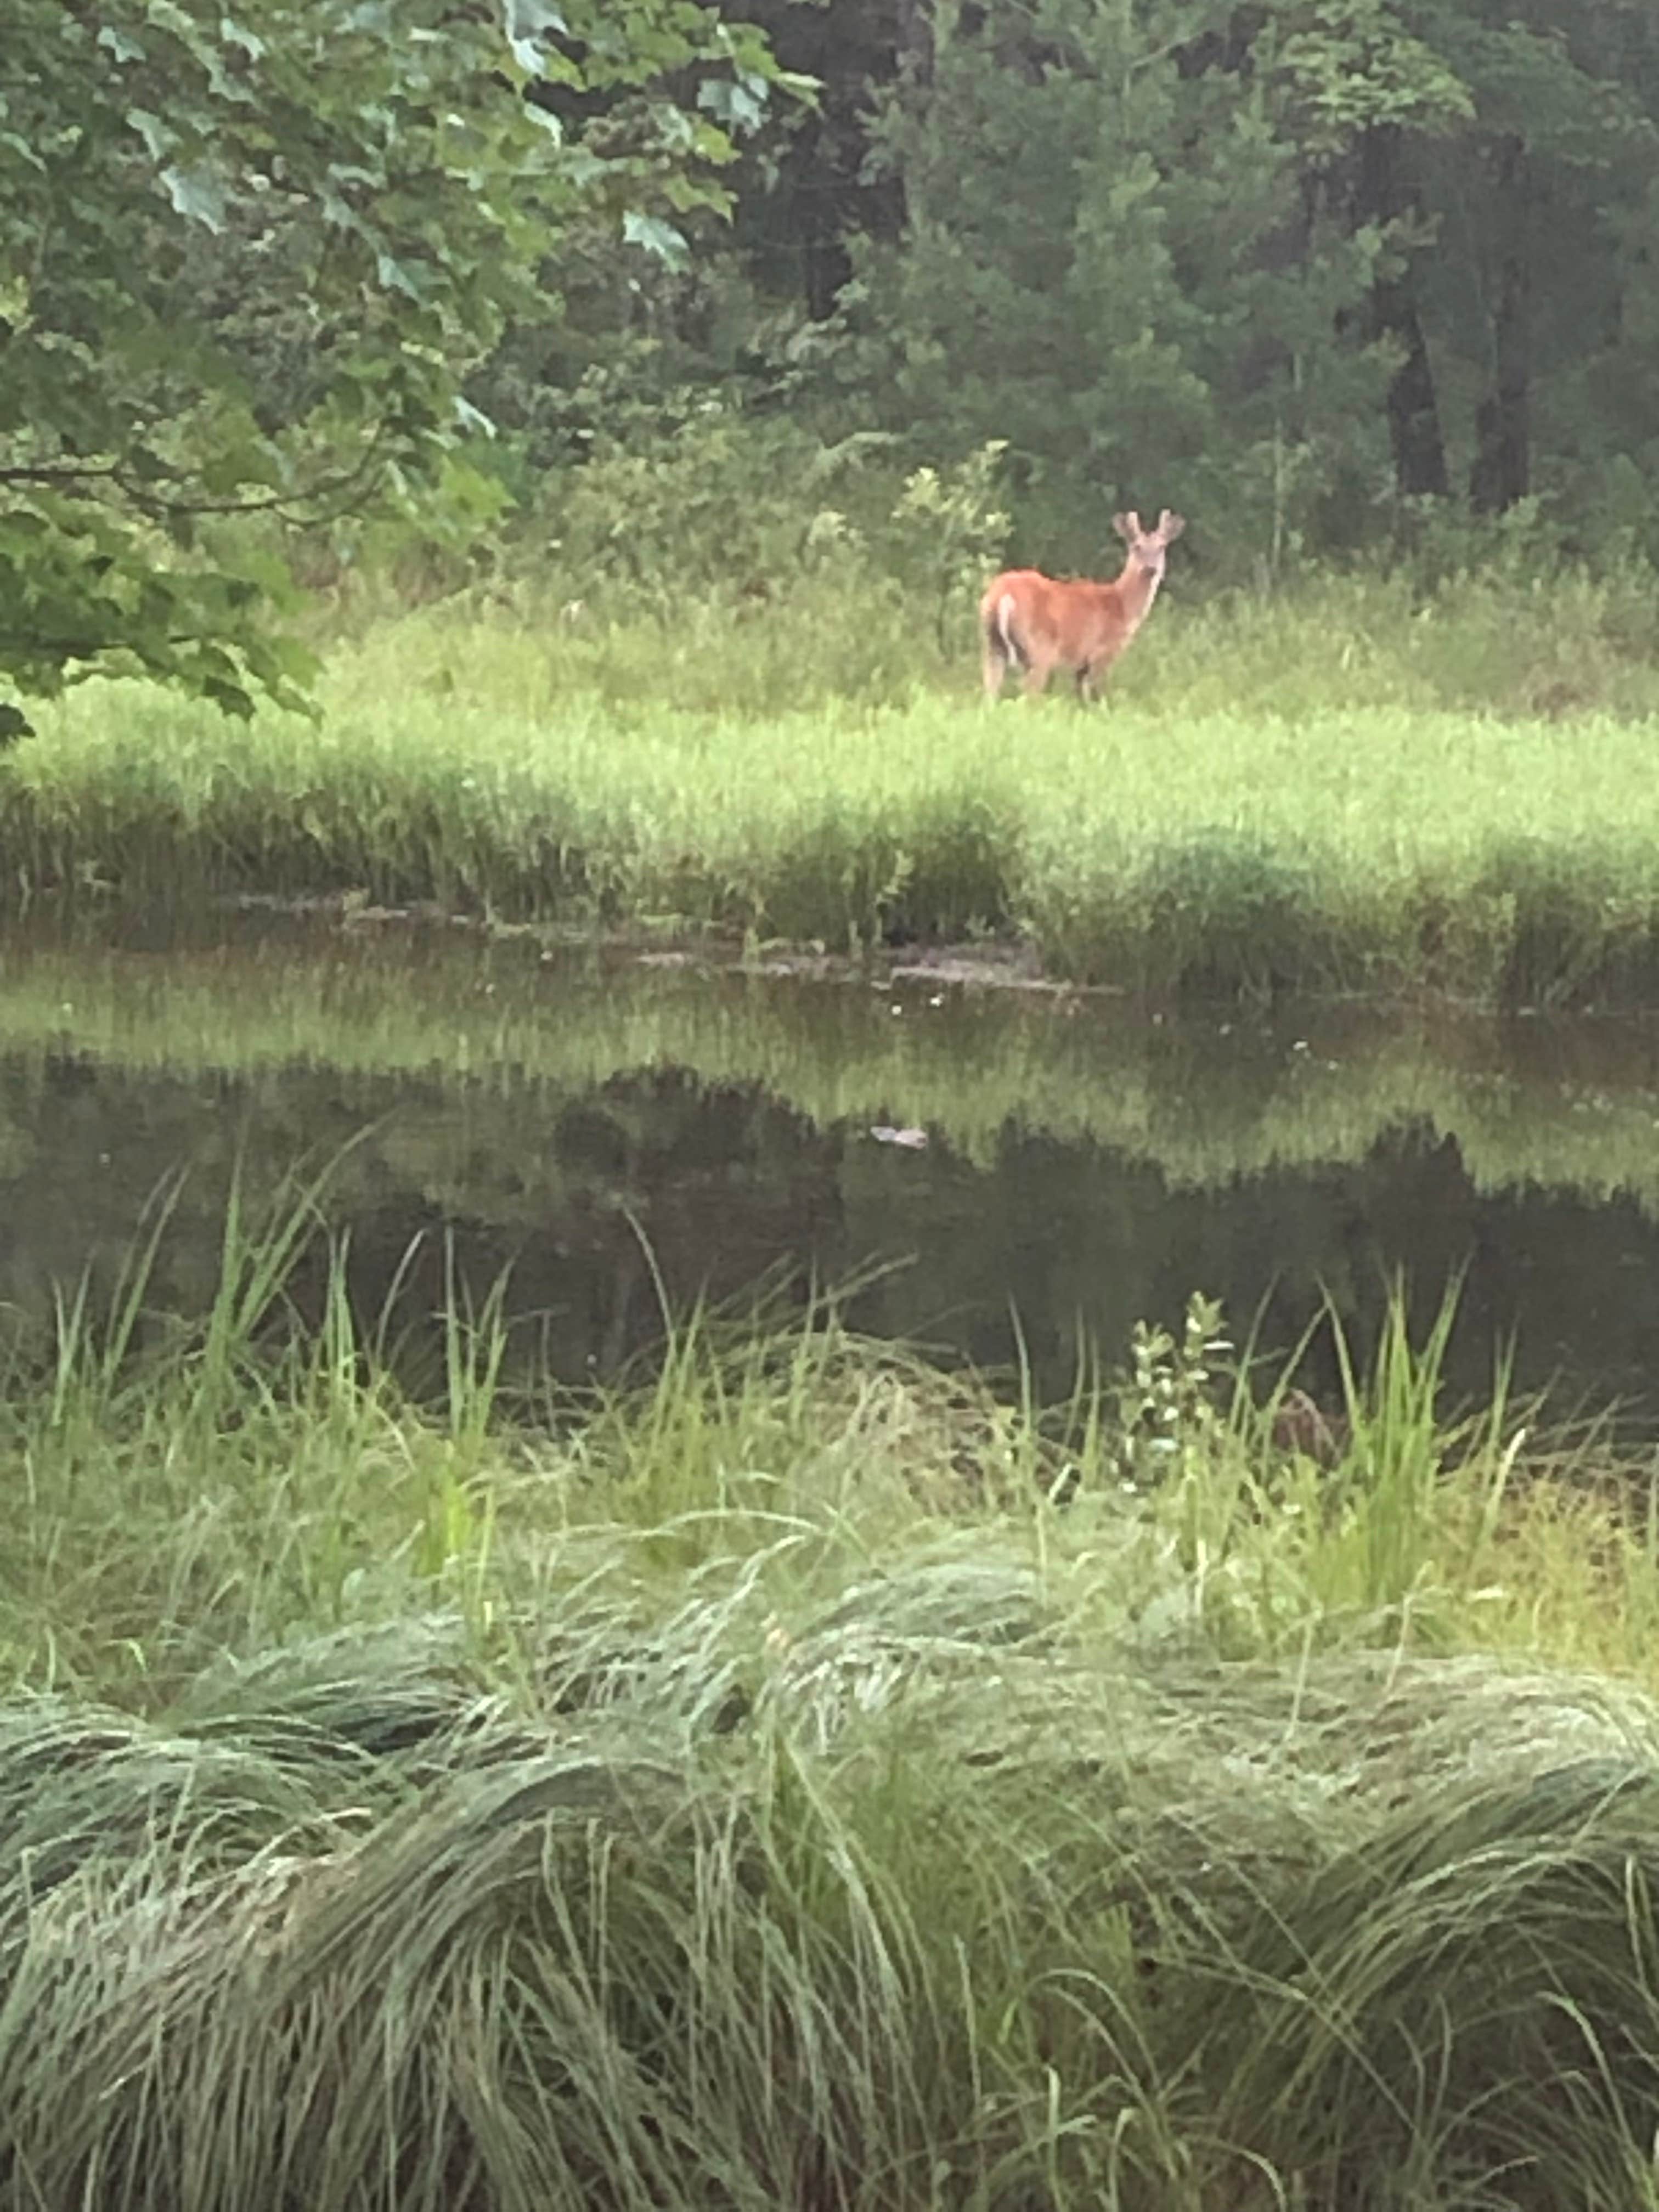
(1148, 547)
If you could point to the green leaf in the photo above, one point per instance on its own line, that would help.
(23, 149)
(473, 418)
(734, 105)
(197, 194)
(117, 42)
(168, 16)
(394, 277)
(158, 137)
(342, 213)
(533, 19)
(237, 34)
(659, 239)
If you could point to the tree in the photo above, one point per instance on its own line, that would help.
(803, 187)
(1115, 260)
(1365, 92)
(1298, 264)
(246, 260)
(1539, 196)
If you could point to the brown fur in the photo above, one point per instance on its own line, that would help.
(1042, 624)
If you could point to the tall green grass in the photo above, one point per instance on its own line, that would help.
(1483, 641)
(1345, 792)
(796, 1777)
(992, 1926)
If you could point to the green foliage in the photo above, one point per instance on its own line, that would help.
(733, 507)
(952, 530)
(1357, 66)
(245, 262)
(1173, 1430)
(418, 1810)
(1304, 273)
(1295, 268)
(721, 505)
(1125, 320)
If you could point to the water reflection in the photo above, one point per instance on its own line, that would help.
(613, 1132)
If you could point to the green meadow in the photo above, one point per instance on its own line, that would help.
(638, 1569)
(1344, 790)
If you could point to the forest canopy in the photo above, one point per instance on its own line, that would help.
(246, 261)
(1329, 275)
(1300, 266)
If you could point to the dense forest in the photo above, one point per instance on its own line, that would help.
(1309, 265)
(1317, 270)
(665, 293)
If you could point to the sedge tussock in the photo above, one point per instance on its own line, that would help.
(795, 1777)
(1007, 1914)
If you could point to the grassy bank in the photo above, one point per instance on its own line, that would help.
(1336, 793)
(803, 1780)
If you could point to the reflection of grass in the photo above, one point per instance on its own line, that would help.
(1260, 807)
(1204, 1109)
(801, 1779)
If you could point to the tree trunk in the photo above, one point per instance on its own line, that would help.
(1414, 435)
(1502, 471)
(915, 41)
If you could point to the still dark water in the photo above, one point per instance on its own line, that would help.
(594, 1126)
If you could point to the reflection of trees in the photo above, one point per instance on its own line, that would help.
(1070, 1233)
(720, 1183)
(588, 1197)
(17, 1147)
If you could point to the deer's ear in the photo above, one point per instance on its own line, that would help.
(1127, 527)
(1170, 526)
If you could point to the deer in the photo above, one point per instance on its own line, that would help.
(1039, 624)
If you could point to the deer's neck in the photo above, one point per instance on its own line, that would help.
(1136, 589)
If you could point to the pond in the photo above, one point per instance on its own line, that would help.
(993, 1165)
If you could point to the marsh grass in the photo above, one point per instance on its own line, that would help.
(792, 1776)
(1348, 790)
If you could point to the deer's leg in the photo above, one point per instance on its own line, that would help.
(1091, 676)
(996, 666)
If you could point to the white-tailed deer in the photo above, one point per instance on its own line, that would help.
(1032, 622)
